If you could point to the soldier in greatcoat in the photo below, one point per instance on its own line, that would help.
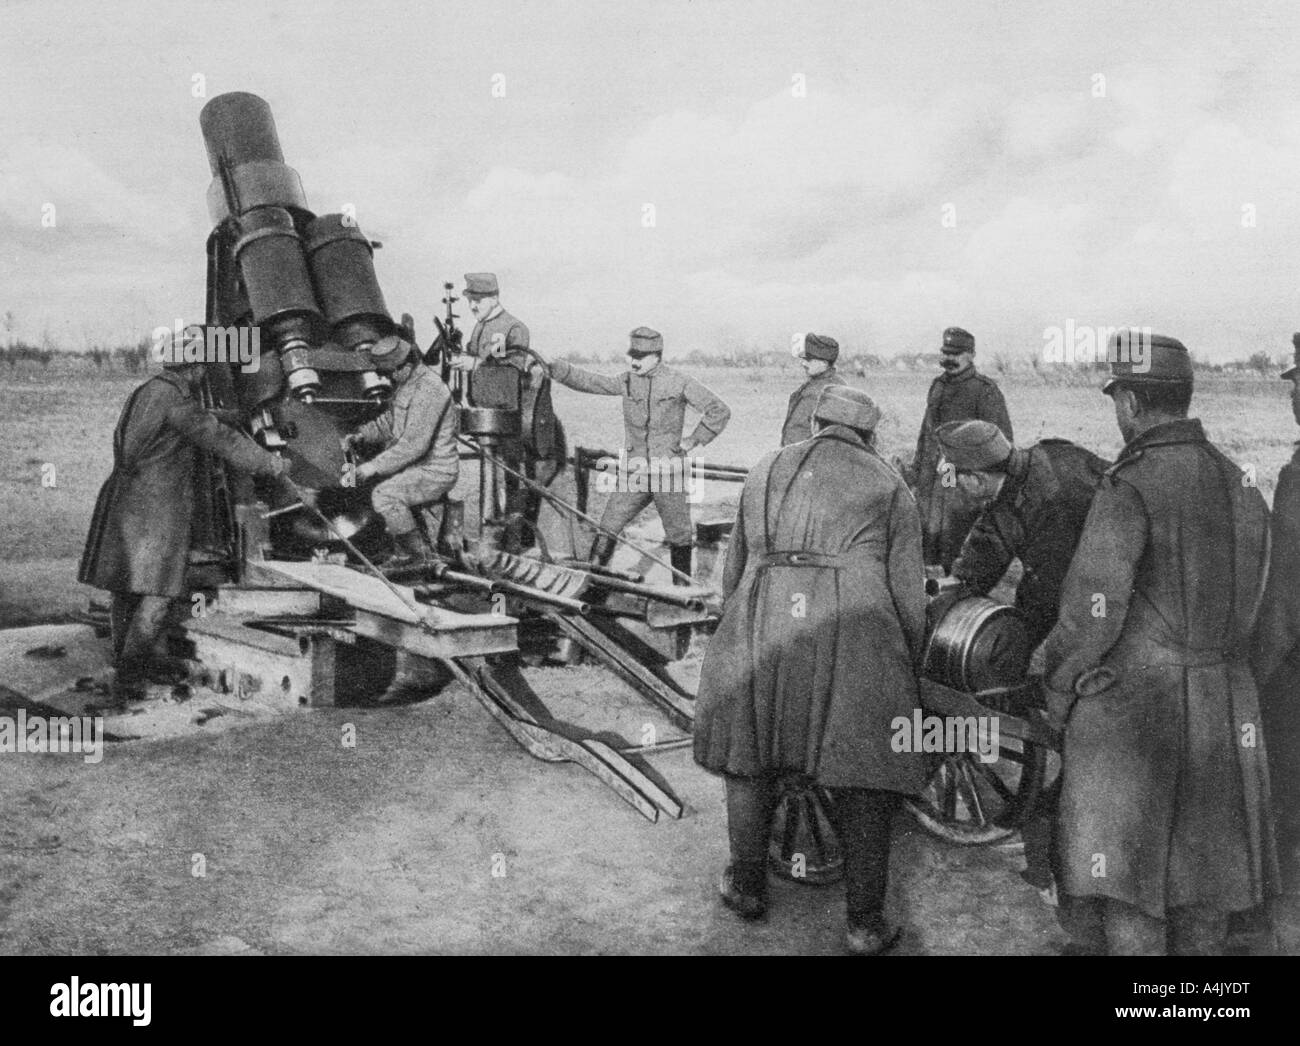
(1277, 655)
(1164, 814)
(655, 398)
(139, 540)
(1033, 502)
(815, 655)
(817, 353)
(960, 393)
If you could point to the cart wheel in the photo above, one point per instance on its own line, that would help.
(973, 803)
(803, 846)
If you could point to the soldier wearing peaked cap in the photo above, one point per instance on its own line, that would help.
(655, 398)
(1147, 672)
(415, 438)
(1277, 654)
(818, 354)
(960, 393)
(1032, 504)
(825, 525)
(139, 540)
(499, 338)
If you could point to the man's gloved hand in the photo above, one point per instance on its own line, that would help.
(279, 470)
(940, 604)
(903, 469)
(464, 362)
(227, 416)
(1059, 703)
(354, 475)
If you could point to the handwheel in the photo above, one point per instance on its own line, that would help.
(803, 846)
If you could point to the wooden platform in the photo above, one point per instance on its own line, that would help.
(403, 623)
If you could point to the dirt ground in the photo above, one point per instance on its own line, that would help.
(391, 847)
(308, 846)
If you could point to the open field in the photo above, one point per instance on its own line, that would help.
(389, 847)
(67, 420)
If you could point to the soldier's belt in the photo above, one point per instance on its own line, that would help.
(801, 559)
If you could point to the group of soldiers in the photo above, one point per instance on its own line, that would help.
(1169, 639)
(140, 533)
(1169, 643)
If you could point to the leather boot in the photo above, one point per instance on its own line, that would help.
(681, 560)
(602, 550)
(410, 550)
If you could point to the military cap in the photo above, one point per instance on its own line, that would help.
(1138, 358)
(819, 347)
(645, 342)
(843, 405)
(173, 354)
(481, 285)
(390, 351)
(956, 340)
(1290, 371)
(973, 446)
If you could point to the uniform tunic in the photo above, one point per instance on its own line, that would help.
(813, 659)
(799, 410)
(1165, 799)
(139, 538)
(1038, 517)
(1277, 667)
(946, 516)
(418, 431)
(501, 335)
(654, 414)
(542, 448)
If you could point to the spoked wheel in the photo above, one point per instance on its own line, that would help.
(972, 802)
(803, 846)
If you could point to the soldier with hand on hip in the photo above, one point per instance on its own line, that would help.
(655, 398)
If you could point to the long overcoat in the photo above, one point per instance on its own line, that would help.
(1277, 668)
(946, 514)
(799, 408)
(823, 622)
(139, 536)
(1165, 791)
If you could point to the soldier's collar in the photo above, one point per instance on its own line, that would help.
(1017, 472)
(842, 434)
(497, 310)
(1169, 433)
(969, 372)
(176, 381)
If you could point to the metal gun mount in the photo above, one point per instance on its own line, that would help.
(300, 621)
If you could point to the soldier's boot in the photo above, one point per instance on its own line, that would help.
(410, 550)
(681, 561)
(602, 550)
(743, 889)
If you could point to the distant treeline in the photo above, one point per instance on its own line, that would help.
(132, 359)
(128, 358)
(991, 363)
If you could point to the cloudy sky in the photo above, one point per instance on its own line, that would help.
(1100, 163)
